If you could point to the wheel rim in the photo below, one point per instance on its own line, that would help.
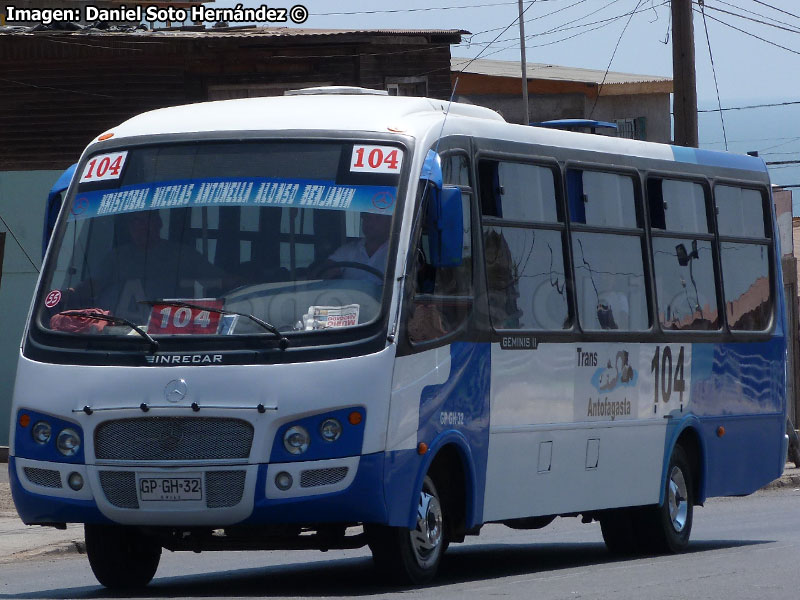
(426, 537)
(678, 502)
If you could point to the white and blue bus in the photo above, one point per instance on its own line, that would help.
(337, 319)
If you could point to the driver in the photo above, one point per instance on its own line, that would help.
(371, 250)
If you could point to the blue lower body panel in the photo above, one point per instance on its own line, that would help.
(362, 502)
(746, 457)
(36, 508)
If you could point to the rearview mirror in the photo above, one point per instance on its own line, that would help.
(445, 226)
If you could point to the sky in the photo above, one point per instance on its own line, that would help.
(629, 36)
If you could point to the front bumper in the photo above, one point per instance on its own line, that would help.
(345, 490)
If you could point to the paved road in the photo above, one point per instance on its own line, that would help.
(743, 548)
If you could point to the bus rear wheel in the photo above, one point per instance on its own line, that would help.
(412, 555)
(669, 525)
(121, 557)
(655, 529)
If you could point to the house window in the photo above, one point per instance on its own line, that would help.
(407, 86)
(632, 129)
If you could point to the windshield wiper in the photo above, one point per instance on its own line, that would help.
(283, 341)
(116, 321)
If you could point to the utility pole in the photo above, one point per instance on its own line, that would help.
(684, 94)
(524, 65)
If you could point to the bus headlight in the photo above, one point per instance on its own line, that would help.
(68, 442)
(330, 430)
(296, 440)
(41, 432)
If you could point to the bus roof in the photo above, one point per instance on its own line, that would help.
(334, 109)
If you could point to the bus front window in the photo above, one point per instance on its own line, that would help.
(211, 239)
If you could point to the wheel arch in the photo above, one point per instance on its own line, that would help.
(687, 435)
(450, 458)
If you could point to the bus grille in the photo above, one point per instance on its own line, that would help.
(173, 438)
(43, 477)
(223, 488)
(317, 477)
(120, 488)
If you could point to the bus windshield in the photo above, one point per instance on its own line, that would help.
(221, 238)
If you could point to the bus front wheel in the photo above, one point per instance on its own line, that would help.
(121, 557)
(412, 555)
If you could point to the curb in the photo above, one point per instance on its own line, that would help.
(61, 548)
(784, 482)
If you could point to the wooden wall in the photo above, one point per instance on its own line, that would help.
(59, 90)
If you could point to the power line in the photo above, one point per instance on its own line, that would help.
(600, 24)
(510, 25)
(544, 16)
(569, 24)
(771, 105)
(410, 10)
(714, 71)
(613, 54)
(753, 13)
(791, 28)
(777, 9)
(771, 43)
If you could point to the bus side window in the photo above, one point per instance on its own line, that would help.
(523, 246)
(744, 250)
(610, 279)
(455, 169)
(442, 296)
(683, 255)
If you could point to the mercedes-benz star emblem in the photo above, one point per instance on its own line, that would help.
(176, 390)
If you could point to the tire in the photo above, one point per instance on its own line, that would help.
(121, 557)
(667, 527)
(619, 528)
(412, 556)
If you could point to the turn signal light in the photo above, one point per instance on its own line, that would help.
(355, 418)
(24, 420)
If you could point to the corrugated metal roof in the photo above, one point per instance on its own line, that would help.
(244, 32)
(503, 68)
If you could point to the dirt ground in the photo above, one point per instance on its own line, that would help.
(6, 504)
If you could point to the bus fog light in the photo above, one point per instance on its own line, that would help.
(75, 481)
(283, 481)
(330, 430)
(296, 440)
(68, 442)
(41, 432)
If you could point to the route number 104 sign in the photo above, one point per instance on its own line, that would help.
(376, 159)
(104, 166)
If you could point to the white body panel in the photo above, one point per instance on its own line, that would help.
(288, 391)
(575, 430)
(412, 373)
